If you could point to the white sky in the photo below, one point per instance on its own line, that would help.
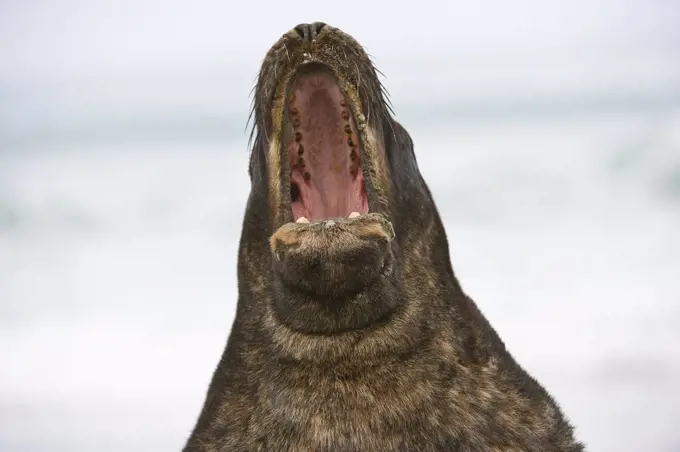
(78, 37)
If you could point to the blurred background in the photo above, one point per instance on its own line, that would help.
(549, 133)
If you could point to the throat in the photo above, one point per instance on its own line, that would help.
(324, 152)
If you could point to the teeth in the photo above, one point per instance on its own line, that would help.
(354, 215)
(303, 220)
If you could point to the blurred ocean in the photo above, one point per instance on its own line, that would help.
(555, 165)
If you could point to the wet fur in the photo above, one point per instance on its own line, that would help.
(433, 377)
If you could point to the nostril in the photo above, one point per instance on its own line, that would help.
(309, 31)
(303, 31)
(316, 28)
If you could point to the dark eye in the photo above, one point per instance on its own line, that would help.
(294, 192)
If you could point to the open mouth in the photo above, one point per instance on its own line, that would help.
(324, 151)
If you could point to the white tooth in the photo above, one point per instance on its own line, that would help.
(354, 214)
(302, 220)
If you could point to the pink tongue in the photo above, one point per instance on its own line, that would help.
(330, 193)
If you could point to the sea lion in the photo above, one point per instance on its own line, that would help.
(352, 332)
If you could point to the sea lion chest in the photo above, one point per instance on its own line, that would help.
(393, 407)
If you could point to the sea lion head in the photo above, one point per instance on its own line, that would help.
(340, 231)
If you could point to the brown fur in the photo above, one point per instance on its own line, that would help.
(357, 336)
